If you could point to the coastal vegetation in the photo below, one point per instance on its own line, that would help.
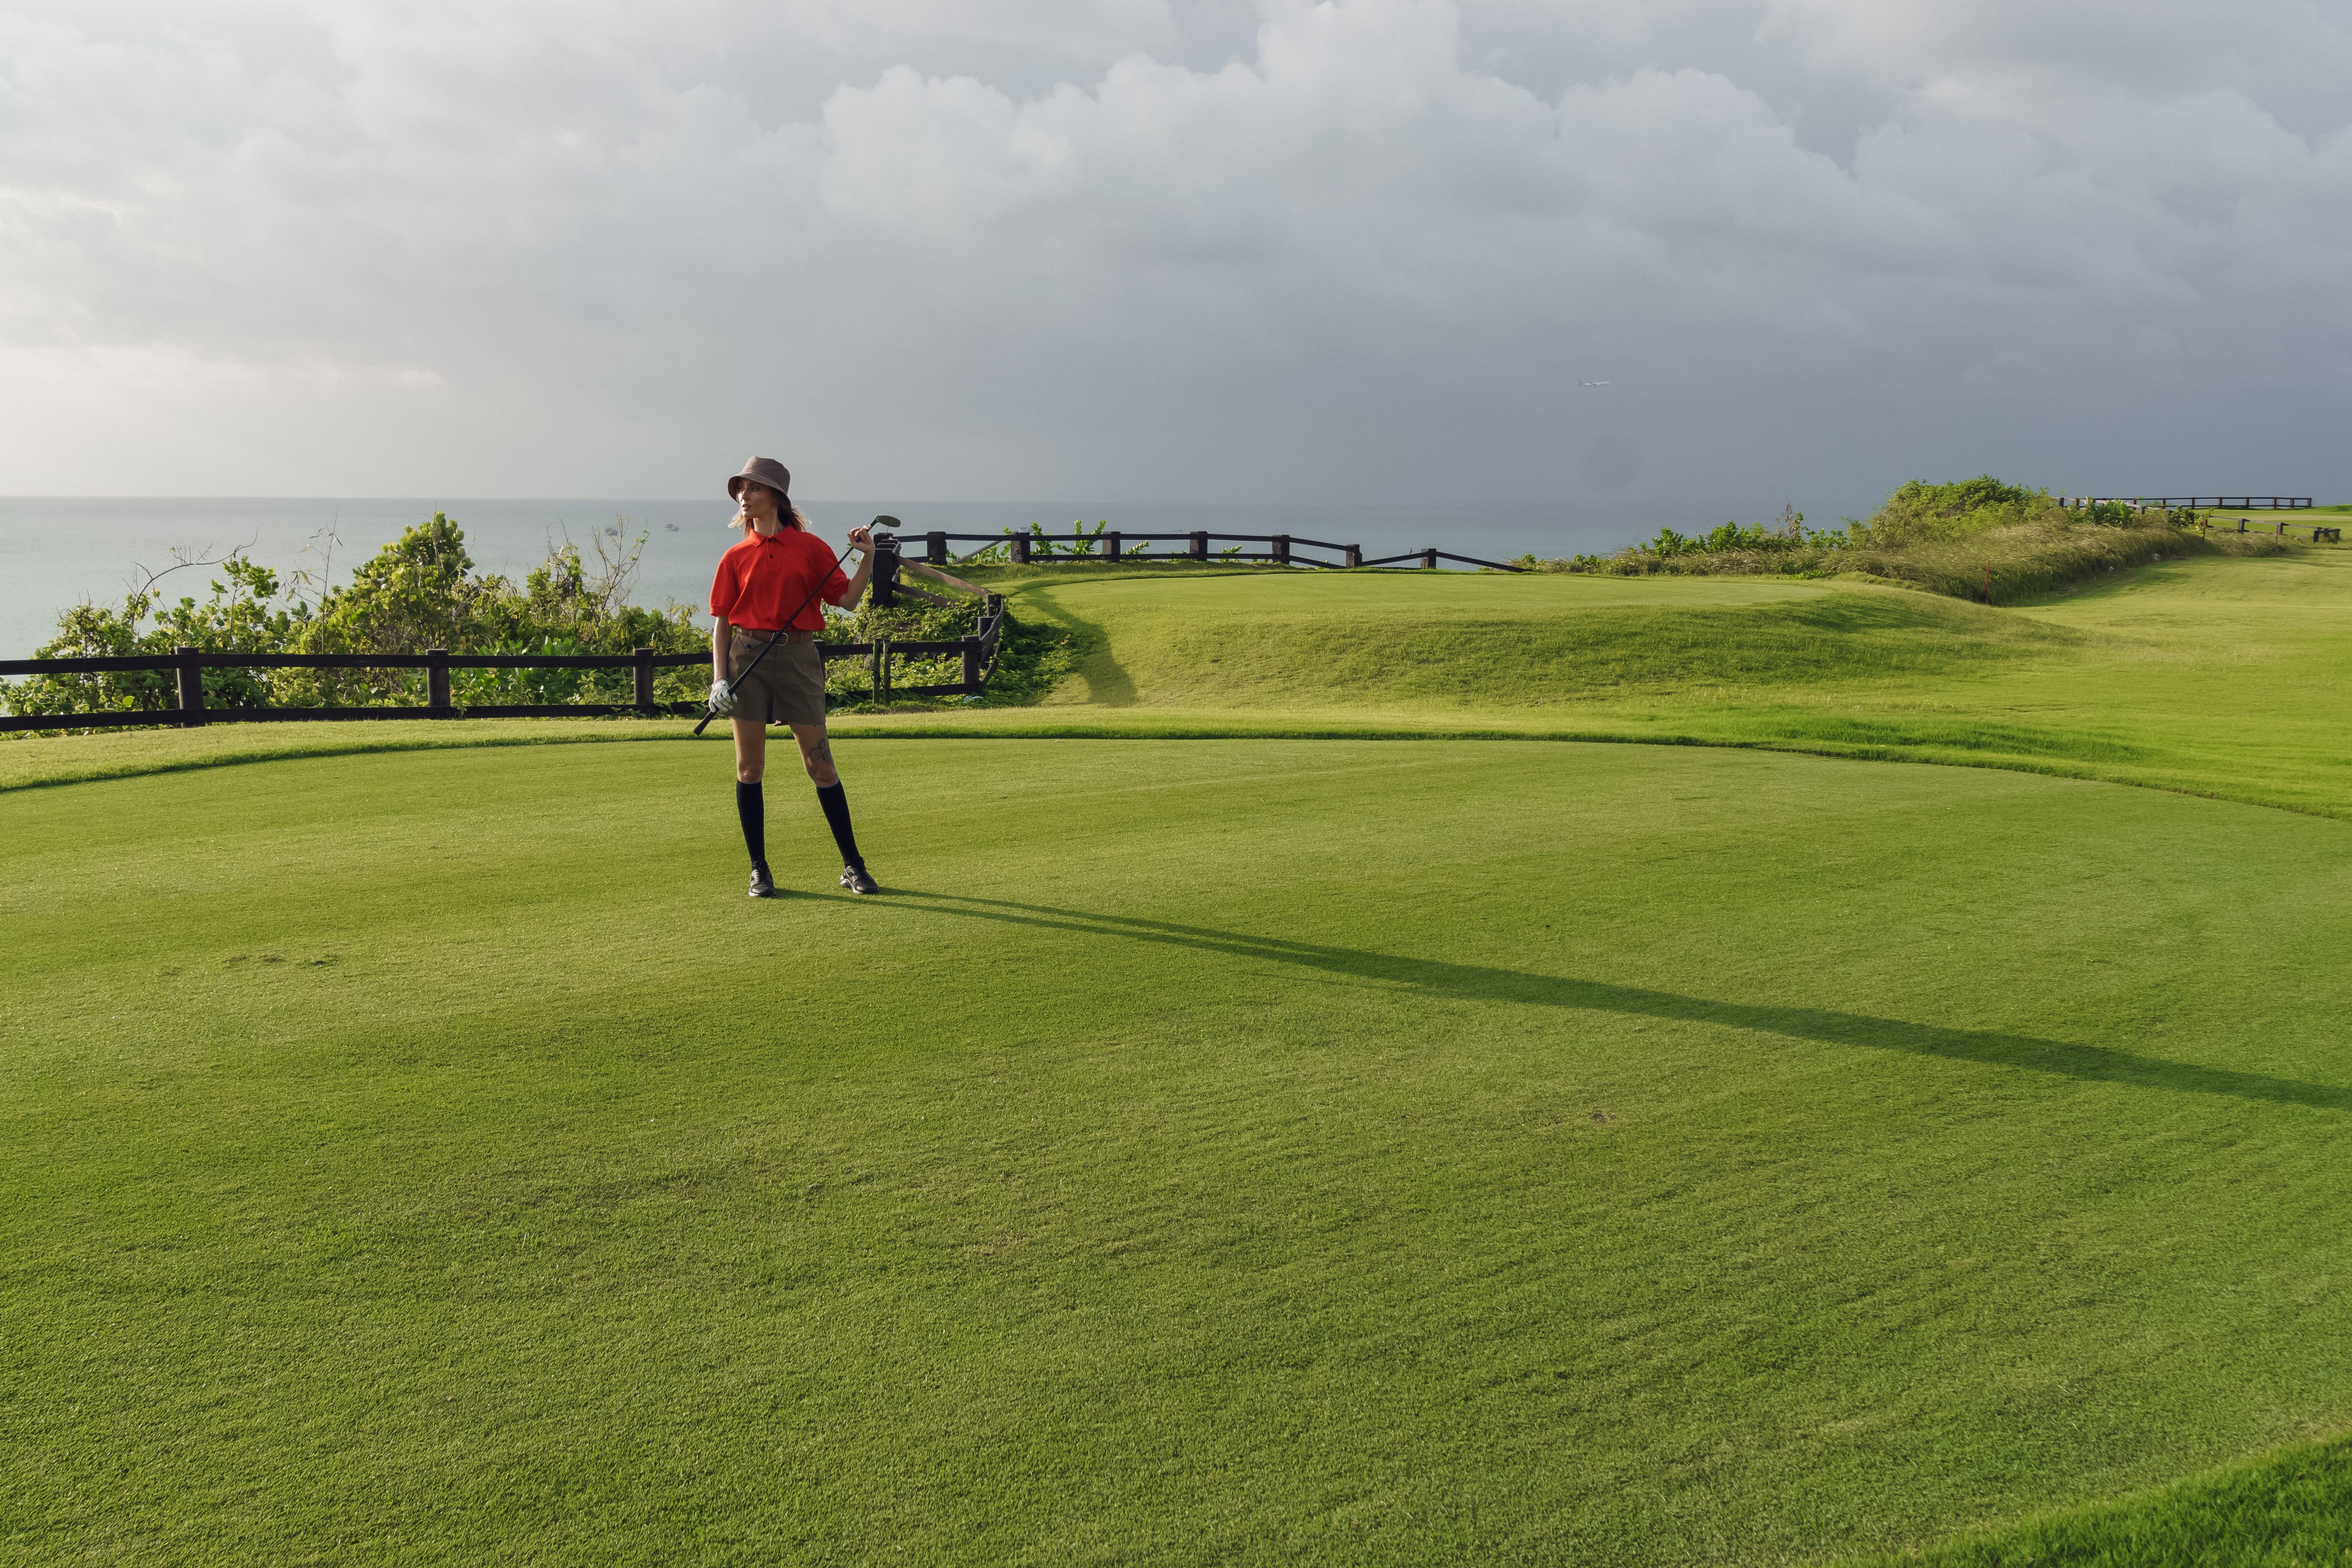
(1031, 659)
(419, 592)
(1977, 539)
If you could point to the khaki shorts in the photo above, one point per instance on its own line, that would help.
(787, 689)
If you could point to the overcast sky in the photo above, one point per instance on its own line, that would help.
(1356, 251)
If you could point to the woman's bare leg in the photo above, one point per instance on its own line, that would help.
(816, 756)
(750, 760)
(751, 749)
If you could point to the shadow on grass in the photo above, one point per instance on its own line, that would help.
(1108, 683)
(2093, 1064)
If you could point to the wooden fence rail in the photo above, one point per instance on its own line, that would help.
(1282, 549)
(2225, 503)
(978, 653)
(2320, 533)
(1430, 558)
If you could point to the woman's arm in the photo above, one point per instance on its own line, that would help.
(723, 637)
(862, 541)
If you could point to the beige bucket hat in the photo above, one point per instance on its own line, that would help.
(761, 470)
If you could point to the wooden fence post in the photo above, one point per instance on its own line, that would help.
(881, 670)
(192, 686)
(1355, 555)
(1020, 548)
(1282, 550)
(1429, 559)
(436, 682)
(1199, 550)
(645, 674)
(992, 636)
(972, 685)
(935, 548)
(1110, 546)
(885, 572)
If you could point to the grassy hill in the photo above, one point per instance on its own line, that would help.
(1255, 1151)
(1454, 643)
(2212, 674)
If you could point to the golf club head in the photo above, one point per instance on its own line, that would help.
(886, 523)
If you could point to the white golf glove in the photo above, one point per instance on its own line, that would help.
(722, 699)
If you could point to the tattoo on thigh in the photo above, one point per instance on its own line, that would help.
(821, 751)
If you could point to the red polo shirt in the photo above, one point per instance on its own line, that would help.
(760, 580)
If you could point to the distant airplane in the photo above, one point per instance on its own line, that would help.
(1592, 384)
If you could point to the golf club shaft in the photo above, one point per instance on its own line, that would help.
(774, 639)
(779, 637)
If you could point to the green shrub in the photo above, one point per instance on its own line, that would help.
(1919, 512)
(1029, 659)
(419, 592)
(1966, 539)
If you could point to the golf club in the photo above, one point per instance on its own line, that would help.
(804, 604)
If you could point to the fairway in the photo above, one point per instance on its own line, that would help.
(1221, 1150)
(2215, 676)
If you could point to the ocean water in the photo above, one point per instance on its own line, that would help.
(56, 551)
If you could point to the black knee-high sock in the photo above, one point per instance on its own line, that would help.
(836, 801)
(753, 809)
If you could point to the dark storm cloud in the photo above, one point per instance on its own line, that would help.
(1361, 250)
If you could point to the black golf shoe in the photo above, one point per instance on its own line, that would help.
(853, 878)
(764, 885)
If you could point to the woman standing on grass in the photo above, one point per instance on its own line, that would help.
(772, 576)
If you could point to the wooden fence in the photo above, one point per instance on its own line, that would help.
(2194, 503)
(978, 653)
(2319, 531)
(1281, 548)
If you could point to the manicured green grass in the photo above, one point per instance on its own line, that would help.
(1454, 642)
(29, 761)
(2292, 1509)
(1226, 1150)
(2210, 675)
(1247, 1151)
